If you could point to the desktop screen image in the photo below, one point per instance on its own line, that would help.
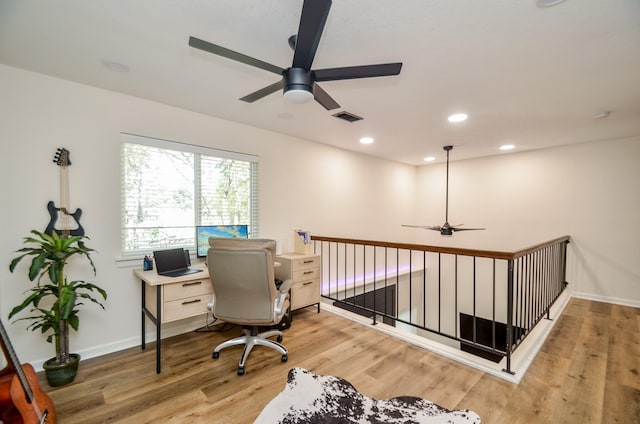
(203, 233)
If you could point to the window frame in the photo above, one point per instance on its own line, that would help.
(127, 138)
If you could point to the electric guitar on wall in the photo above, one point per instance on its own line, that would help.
(24, 395)
(62, 220)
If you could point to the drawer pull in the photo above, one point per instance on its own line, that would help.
(193, 283)
(308, 272)
(307, 283)
(187, 302)
(308, 262)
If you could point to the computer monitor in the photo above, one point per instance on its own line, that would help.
(203, 232)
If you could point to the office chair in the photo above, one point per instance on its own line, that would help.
(245, 293)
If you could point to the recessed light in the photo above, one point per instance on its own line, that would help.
(507, 147)
(366, 140)
(457, 117)
(429, 159)
(115, 66)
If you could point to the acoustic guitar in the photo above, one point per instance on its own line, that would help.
(62, 220)
(32, 404)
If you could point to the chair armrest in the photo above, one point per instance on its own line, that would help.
(282, 302)
(286, 286)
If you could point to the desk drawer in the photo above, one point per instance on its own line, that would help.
(305, 293)
(187, 307)
(305, 263)
(306, 274)
(185, 289)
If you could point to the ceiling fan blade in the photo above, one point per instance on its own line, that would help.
(323, 98)
(312, 20)
(352, 72)
(263, 92)
(466, 229)
(230, 54)
(424, 227)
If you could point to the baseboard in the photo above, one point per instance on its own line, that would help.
(97, 350)
(168, 330)
(606, 299)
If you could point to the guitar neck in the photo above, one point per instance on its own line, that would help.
(12, 360)
(65, 219)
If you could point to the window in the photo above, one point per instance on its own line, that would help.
(168, 188)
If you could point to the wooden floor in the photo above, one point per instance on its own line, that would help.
(587, 372)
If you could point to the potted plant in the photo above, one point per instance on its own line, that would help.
(54, 300)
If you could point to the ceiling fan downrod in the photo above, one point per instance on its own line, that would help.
(446, 210)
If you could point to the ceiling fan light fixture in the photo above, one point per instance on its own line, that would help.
(298, 95)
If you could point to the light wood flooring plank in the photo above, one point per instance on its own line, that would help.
(586, 372)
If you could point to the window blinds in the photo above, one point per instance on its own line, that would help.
(168, 188)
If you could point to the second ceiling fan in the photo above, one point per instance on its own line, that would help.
(446, 229)
(299, 81)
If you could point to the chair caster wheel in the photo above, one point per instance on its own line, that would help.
(240, 371)
(284, 358)
(279, 339)
(215, 355)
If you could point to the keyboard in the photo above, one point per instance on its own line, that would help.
(181, 272)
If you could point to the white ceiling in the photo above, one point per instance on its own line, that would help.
(526, 75)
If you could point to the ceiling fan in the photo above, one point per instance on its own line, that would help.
(446, 229)
(299, 82)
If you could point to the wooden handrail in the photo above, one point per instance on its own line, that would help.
(540, 246)
(507, 255)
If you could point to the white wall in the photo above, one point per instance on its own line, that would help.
(302, 185)
(522, 198)
(588, 191)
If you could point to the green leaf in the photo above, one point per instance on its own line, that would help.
(15, 261)
(33, 298)
(67, 301)
(54, 270)
(74, 322)
(36, 266)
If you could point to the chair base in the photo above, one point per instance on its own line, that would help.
(249, 339)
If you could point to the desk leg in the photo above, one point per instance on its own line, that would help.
(142, 309)
(157, 320)
(158, 327)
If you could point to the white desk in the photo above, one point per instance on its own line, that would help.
(174, 298)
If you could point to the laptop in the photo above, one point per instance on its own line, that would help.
(173, 262)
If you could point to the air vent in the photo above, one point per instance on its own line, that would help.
(350, 117)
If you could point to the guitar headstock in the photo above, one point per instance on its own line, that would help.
(62, 157)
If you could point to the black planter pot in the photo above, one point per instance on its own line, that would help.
(61, 374)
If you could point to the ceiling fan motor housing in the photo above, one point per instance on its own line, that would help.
(297, 79)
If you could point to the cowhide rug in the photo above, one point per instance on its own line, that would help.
(315, 399)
